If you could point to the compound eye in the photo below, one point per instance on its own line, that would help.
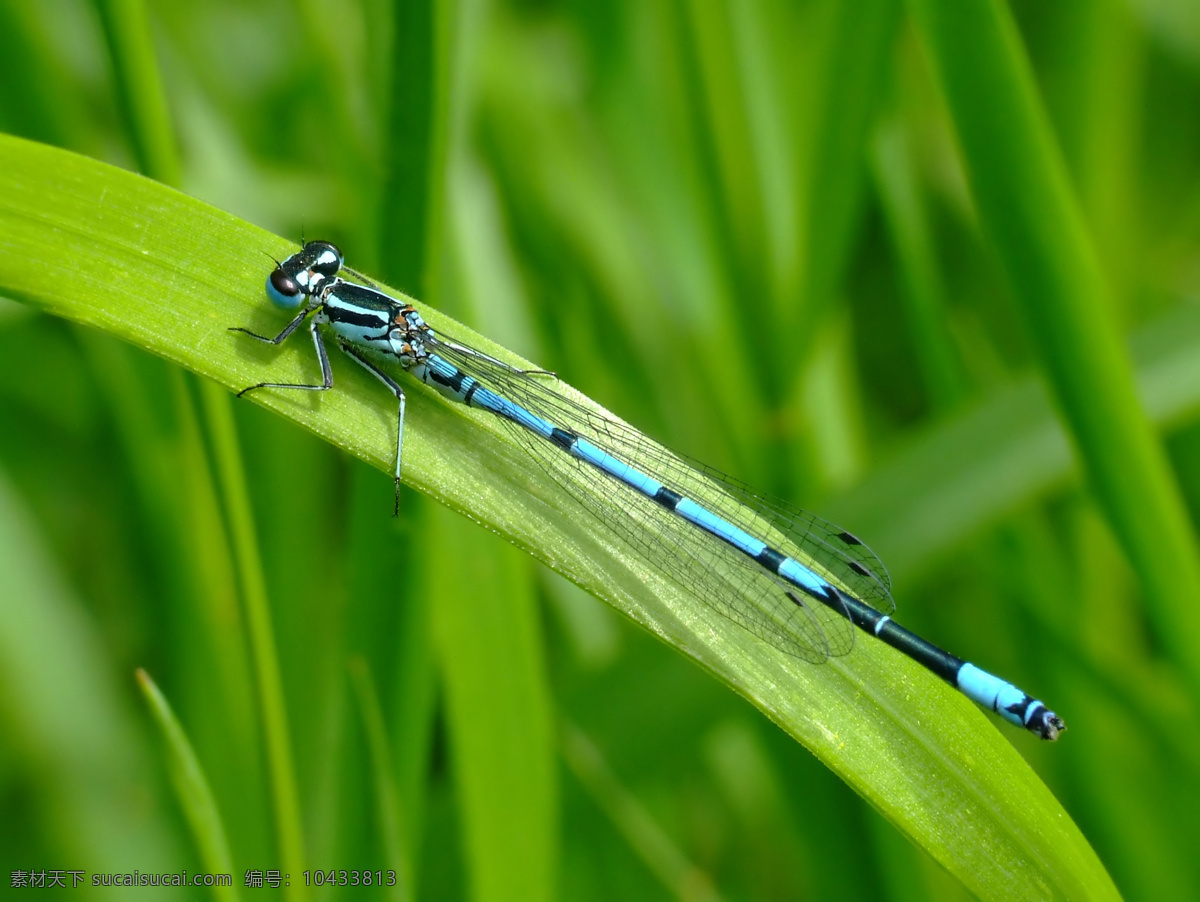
(326, 258)
(283, 290)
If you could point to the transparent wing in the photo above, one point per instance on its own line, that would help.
(723, 578)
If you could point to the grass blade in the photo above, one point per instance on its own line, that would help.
(101, 246)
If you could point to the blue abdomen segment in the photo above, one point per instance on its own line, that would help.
(976, 684)
(458, 386)
(1007, 700)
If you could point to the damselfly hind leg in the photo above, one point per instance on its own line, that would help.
(396, 390)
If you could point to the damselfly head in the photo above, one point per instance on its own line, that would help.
(303, 273)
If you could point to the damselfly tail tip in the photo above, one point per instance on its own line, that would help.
(1048, 725)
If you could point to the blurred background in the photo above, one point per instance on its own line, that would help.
(744, 227)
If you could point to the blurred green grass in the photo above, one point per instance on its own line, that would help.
(747, 229)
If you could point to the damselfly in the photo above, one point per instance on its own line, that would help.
(795, 581)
